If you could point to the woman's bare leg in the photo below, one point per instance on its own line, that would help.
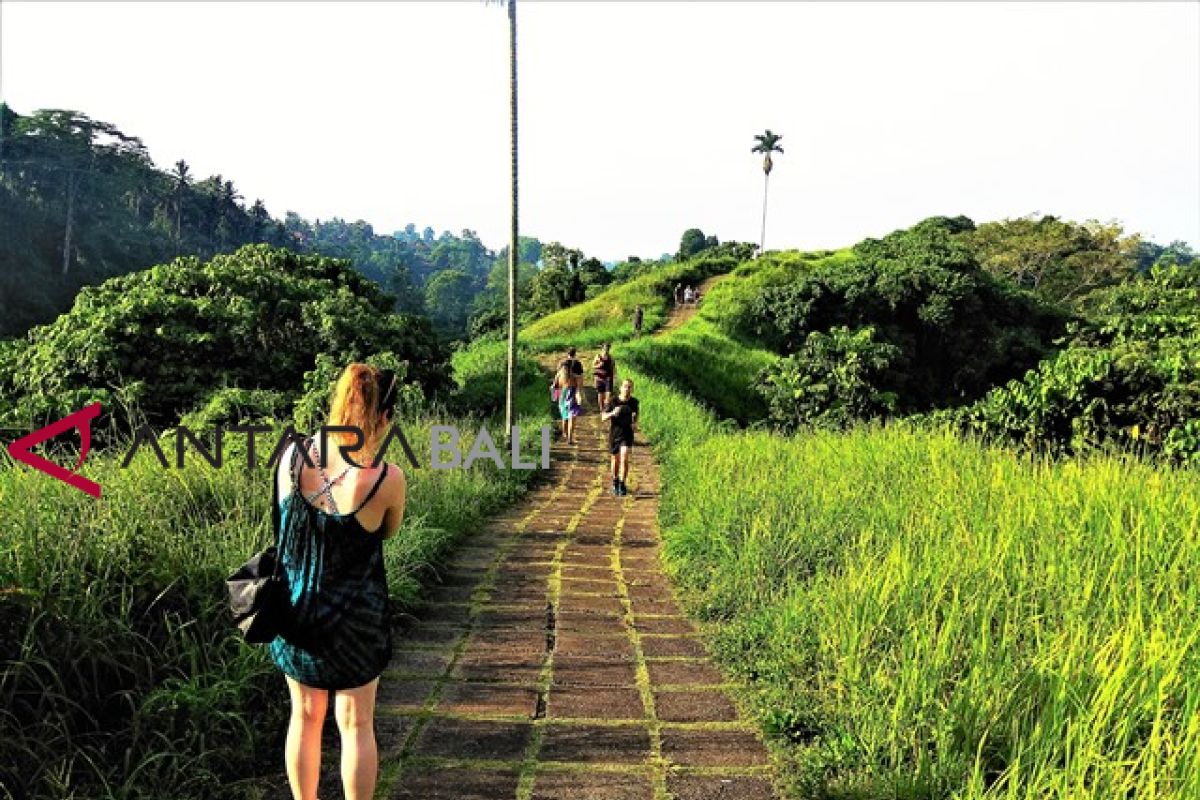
(355, 713)
(302, 751)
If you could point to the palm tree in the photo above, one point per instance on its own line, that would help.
(183, 179)
(767, 143)
(514, 248)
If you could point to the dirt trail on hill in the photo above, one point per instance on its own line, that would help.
(681, 314)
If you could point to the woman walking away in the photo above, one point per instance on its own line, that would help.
(568, 401)
(637, 321)
(604, 372)
(331, 535)
(575, 366)
(622, 410)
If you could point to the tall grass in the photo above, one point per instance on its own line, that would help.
(120, 673)
(925, 617)
(711, 366)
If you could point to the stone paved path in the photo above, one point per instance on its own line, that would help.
(554, 663)
(681, 314)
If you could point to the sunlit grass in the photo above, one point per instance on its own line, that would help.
(924, 617)
(122, 673)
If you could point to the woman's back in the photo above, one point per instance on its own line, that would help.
(339, 633)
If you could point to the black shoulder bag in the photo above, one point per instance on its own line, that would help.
(258, 590)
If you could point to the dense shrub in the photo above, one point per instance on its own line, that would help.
(1130, 376)
(156, 343)
(831, 380)
(956, 331)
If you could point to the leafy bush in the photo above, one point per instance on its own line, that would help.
(957, 330)
(831, 381)
(1130, 376)
(233, 406)
(158, 342)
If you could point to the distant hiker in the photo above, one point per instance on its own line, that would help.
(689, 295)
(679, 294)
(637, 321)
(338, 636)
(604, 372)
(622, 413)
(568, 401)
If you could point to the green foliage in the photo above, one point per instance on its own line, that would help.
(123, 676)
(694, 242)
(1059, 260)
(156, 343)
(731, 303)
(701, 360)
(448, 298)
(920, 616)
(480, 372)
(958, 330)
(1129, 376)
(233, 406)
(831, 381)
(608, 316)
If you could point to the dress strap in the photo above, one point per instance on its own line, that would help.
(371, 493)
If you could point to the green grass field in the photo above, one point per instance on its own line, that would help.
(923, 617)
(123, 676)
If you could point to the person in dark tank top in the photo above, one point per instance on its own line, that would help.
(334, 517)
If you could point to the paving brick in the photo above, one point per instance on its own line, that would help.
(445, 737)
(431, 635)
(665, 646)
(591, 671)
(595, 744)
(390, 732)
(509, 667)
(523, 618)
(593, 573)
(487, 699)
(459, 784)
(449, 613)
(705, 748)
(571, 643)
(692, 706)
(716, 787)
(595, 703)
(588, 622)
(519, 594)
(421, 662)
(671, 625)
(573, 586)
(508, 641)
(660, 606)
(684, 673)
(591, 786)
(402, 695)
(602, 604)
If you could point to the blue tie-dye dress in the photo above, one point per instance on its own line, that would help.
(338, 635)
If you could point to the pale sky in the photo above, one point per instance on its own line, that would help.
(637, 119)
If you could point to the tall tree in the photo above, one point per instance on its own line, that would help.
(514, 247)
(767, 143)
(182, 175)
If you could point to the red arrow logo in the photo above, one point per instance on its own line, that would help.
(81, 419)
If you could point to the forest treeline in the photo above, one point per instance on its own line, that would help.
(81, 201)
